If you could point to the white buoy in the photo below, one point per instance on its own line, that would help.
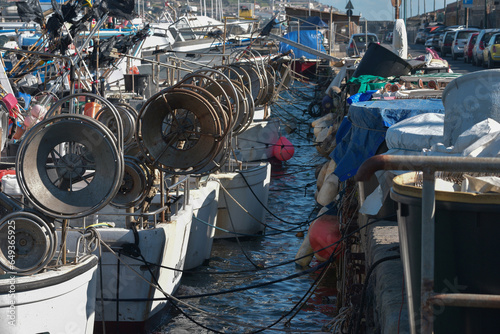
(325, 119)
(329, 190)
(305, 249)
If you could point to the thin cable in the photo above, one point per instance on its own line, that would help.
(238, 239)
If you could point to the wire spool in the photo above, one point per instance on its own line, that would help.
(251, 111)
(72, 104)
(252, 79)
(69, 166)
(135, 186)
(243, 106)
(178, 132)
(221, 112)
(220, 86)
(34, 242)
(106, 117)
(271, 85)
(259, 79)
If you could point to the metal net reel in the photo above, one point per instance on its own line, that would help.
(135, 186)
(178, 131)
(69, 166)
(27, 243)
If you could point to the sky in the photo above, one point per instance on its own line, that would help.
(382, 10)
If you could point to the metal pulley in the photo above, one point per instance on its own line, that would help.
(178, 131)
(27, 243)
(69, 166)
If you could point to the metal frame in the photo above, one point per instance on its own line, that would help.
(429, 165)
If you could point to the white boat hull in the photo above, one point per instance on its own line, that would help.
(56, 302)
(257, 142)
(139, 302)
(249, 220)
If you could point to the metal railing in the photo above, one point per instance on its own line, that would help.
(429, 165)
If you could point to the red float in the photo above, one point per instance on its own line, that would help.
(283, 149)
(324, 232)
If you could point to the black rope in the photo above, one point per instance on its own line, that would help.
(264, 206)
(237, 238)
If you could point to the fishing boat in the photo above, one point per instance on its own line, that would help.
(42, 288)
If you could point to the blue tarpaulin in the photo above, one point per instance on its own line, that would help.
(363, 129)
(309, 38)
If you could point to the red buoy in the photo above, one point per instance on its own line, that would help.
(283, 149)
(324, 232)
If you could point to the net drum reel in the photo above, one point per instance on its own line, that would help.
(178, 131)
(72, 104)
(221, 87)
(246, 106)
(136, 184)
(270, 86)
(258, 81)
(106, 117)
(220, 111)
(27, 243)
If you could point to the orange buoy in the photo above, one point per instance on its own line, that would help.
(324, 232)
(283, 149)
(133, 70)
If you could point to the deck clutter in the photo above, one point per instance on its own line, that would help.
(408, 189)
(128, 148)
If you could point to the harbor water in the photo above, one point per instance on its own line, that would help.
(304, 303)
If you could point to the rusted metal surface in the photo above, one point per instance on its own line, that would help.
(420, 163)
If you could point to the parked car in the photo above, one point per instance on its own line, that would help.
(424, 33)
(420, 38)
(388, 37)
(359, 42)
(491, 52)
(428, 42)
(469, 46)
(446, 42)
(459, 40)
(433, 41)
(436, 41)
(483, 37)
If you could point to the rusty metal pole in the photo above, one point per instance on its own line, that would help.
(64, 234)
